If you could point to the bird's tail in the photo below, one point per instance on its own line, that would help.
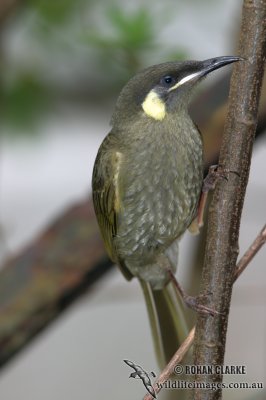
(167, 320)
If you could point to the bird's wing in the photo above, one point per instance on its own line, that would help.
(107, 196)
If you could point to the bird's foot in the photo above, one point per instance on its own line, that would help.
(195, 303)
(214, 174)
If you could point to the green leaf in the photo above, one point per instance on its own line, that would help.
(134, 30)
(23, 102)
(54, 11)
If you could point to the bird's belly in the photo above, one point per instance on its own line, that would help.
(159, 203)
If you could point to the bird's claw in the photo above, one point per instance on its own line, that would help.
(195, 304)
(214, 174)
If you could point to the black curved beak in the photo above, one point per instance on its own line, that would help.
(216, 63)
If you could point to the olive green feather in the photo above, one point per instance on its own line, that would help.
(167, 320)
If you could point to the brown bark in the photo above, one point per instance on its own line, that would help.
(226, 206)
(178, 357)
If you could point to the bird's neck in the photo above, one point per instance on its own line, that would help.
(175, 128)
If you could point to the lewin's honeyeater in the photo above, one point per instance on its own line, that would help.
(147, 182)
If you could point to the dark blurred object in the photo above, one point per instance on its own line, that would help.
(6, 7)
(43, 279)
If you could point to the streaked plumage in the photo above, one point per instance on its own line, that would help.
(148, 176)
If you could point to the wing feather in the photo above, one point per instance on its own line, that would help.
(107, 196)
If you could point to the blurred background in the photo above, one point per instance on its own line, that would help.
(62, 65)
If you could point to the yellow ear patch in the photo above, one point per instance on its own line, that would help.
(153, 106)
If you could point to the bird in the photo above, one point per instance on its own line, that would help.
(143, 375)
(146, 186)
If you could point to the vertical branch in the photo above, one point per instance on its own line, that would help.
(226, 207)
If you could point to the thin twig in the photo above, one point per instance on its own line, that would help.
(185, 346)
(176, 359)
(250, 253)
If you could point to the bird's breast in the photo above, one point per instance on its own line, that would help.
(160, 188)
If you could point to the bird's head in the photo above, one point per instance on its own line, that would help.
(163, 88)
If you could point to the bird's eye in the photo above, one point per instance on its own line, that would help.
(167, 80)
